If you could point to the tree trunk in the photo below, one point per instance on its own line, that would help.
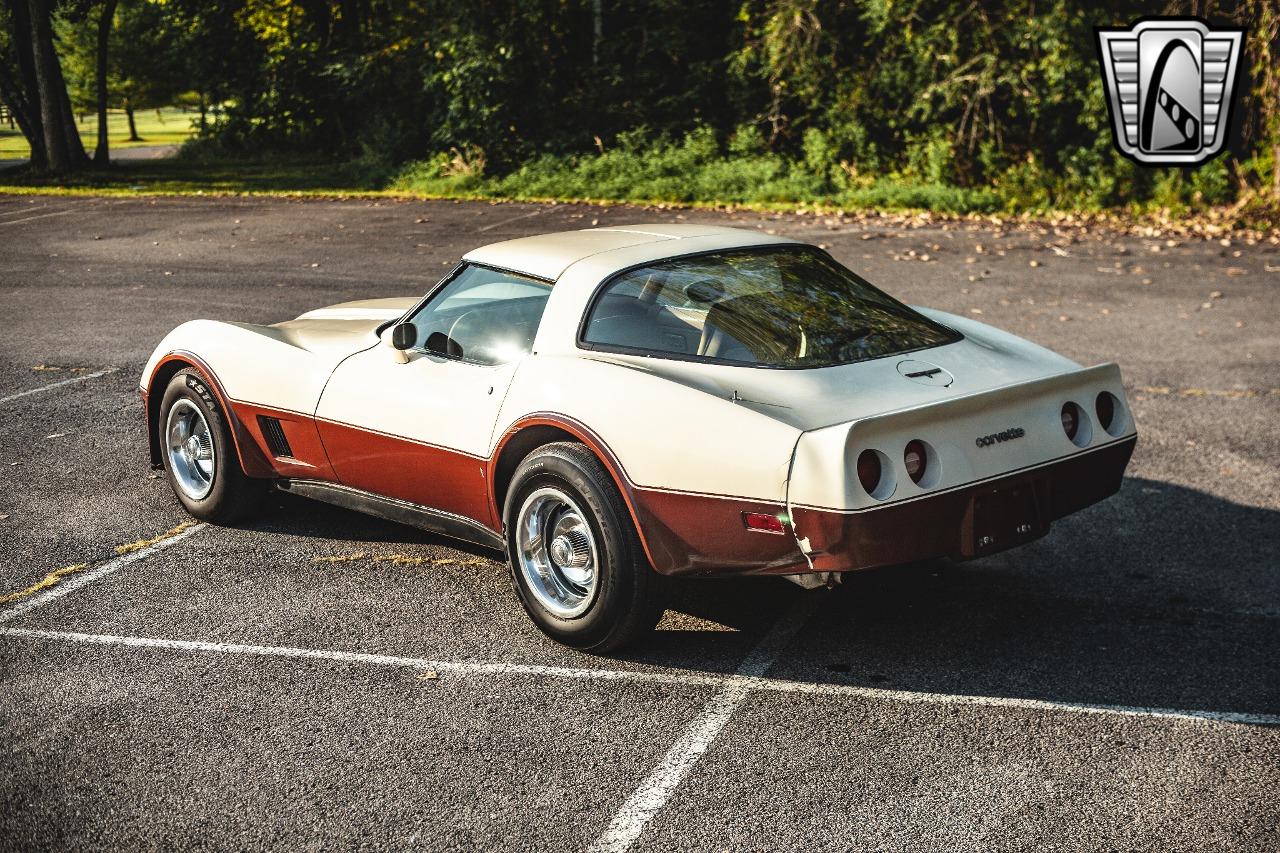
(133, 127)
(26, 98)
(204, 121)
(102, 154)
(20, 112)
(62, 142)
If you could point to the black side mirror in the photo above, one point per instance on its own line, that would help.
(404, 336)
(441, 344)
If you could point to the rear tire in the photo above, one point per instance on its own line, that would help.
(577, 564)
(199, 454)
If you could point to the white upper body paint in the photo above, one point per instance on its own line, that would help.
(782, 435)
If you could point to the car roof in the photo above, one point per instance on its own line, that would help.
(549, 255)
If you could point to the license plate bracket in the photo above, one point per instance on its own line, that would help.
(1004, 517)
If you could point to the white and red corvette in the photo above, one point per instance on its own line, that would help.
(618, 404)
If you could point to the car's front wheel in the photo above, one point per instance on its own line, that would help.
(199, 455)
(576, 560)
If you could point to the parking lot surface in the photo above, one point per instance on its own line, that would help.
(320, 679)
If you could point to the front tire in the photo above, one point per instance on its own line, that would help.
(199, 455)
(576, 561)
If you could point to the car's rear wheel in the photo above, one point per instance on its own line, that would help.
(199, 455)
(576, 560)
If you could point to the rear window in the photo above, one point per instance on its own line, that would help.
(777, 307)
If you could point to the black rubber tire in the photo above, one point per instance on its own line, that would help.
(234, 496)
(629, 594)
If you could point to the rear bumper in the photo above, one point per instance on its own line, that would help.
(967, 522)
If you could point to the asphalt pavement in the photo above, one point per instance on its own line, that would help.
(318, 679)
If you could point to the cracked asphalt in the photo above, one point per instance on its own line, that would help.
(991, 705)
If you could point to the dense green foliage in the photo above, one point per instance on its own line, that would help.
(947, 104)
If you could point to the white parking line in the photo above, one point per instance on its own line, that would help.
(531, 213)
(41, 216)
(745, 682)
(54, 385)
(75, 582)
(20, 210)
(657, 788)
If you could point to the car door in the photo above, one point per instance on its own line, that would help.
(420, 431)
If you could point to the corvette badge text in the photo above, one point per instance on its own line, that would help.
(996, 437)
(1169, 84)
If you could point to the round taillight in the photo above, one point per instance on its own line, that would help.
(916, 459)
(1106, 408)
(1070, 420)
(869, 471)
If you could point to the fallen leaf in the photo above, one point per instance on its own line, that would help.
(1235, 271)
(428, 675)
(56, 435)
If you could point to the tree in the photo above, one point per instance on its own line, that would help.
(144, 59)
(106, 18)
(17, 79)
(32, 83)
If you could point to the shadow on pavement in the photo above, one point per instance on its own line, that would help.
(1162, 596)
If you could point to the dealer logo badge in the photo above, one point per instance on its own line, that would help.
(1169, 84)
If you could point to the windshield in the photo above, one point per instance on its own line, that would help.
(775, 307)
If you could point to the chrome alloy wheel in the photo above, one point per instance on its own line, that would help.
(190, 448)
(557, 552)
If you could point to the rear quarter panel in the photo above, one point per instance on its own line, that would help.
(688, 463)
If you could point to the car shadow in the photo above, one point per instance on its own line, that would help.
(294, 515)
(1162, 596)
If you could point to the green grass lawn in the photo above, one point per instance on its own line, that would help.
(170, 126)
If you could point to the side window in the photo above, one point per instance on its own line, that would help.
(483, 316)
(651, 309)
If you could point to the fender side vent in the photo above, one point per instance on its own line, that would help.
(273, 432)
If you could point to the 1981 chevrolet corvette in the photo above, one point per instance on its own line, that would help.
(615, 405)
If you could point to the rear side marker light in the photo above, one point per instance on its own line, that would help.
(763, 522)
(869, 471)
(916, 458)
